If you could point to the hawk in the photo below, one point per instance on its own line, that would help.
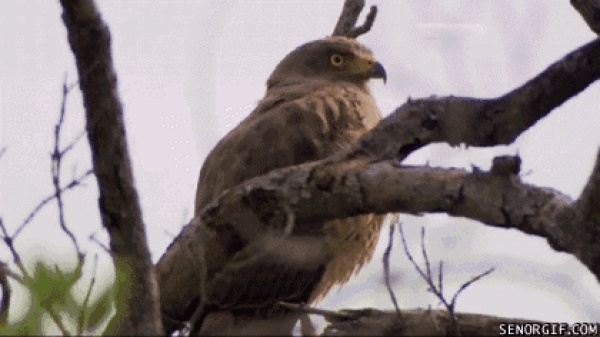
(317, 103)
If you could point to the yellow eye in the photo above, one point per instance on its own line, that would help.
(336, 60)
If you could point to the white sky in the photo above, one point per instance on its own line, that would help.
(189, 71)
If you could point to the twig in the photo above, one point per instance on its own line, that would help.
(57, 157)
(386, 268)
(81, 319)
(408, 254)
(437, 290)
(72, 143)
(424, 252)
(9, 241)
(94, 239)
(74, 183)
(468, 283)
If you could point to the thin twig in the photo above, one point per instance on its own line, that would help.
(94, 239)
(386, 268)
(57, 157)
(424, 252)
(438, 290)
(408, 254)
(74, 183)
(9, 241)
(441, 277)
(468, 283)
(72, 143)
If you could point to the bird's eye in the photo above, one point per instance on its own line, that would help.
(336, 60)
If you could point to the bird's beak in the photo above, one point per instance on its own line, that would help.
(371, 68)
(378, 71)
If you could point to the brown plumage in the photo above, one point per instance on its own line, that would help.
(317, 103)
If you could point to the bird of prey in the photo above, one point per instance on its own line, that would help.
(317, 103)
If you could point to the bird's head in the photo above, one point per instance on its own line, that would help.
(331, 59)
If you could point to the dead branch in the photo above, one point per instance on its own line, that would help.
(361, 187)
(57, 157)
(137, 303)
(386, 268)
(438, 288)
(346, 25)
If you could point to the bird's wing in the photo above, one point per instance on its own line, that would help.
(287, 133)
(267, 271)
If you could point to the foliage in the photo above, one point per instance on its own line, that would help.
(55, 299)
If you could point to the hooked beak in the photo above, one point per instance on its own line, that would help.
(378, 71)
(369, 68)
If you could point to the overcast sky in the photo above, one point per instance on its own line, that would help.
(189, 71)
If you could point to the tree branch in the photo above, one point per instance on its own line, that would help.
(386, 269)
(137, 303)
(346, 25)
(483, 122)
(57, 157)
(590, 11)
(589, 200)
(327, 190)
(372, 322)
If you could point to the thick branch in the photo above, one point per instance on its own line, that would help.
(324, 191)
(137, 293)
(483, 122)
(590, 11)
